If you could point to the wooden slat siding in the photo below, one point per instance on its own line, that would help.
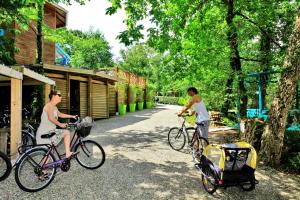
(25, 42)
(83, 99)
(49, 47)
(90, 90)
(112, 100)
(61, 85)
(99, 101)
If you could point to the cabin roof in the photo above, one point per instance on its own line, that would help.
(80, 71)
(61, 14)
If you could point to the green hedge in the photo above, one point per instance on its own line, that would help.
(168, 100)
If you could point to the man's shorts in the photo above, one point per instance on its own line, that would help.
(202, 128)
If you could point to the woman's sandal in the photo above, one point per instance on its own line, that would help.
(72, 155)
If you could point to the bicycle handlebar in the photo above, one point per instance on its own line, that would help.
(74, 123)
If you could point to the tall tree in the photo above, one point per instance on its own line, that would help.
(272, 140)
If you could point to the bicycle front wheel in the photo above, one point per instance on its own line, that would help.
(5, 166)
(31, 174)
(176, 138)
(90, 154)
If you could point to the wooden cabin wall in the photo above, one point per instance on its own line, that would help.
(25, 42)
(49, 47)
(112, 95)
(99, 100)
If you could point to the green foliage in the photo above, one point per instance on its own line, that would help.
(182, 101)
(87, 50)
(291, 153)
(294, 162)
(149, 95)
(168, 100)
(132, 93)
(122, 92)
(139, 94)
(228, 121)
(192, 37)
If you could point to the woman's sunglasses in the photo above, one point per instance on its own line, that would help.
(58, 95)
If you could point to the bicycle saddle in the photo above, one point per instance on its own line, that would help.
(48, 135)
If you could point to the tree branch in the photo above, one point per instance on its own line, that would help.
(260, 28)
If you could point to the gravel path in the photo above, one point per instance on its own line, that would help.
(141, 165)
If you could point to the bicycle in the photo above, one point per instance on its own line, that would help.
(27, 134)
(5, 166)
(36, 168)
(180, 135)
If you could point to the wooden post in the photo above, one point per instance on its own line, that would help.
(47, 89)
(15, 117)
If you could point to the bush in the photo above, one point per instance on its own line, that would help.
(293, 162)
(182, 101)
(150, 95)
(132, 93)
(168, 100)
(122, 93)
(291, 151)
(228, 121)
(139, 95)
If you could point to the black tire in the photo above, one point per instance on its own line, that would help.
(197, 151)
(249, 186)
(209, 180)
(86, 151)
(28, 141)
(176, 138)
(203, 142)
(5, 166)
(34, 171)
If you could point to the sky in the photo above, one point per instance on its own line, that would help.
(92, 14)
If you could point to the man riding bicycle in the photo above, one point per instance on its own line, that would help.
(202, 116)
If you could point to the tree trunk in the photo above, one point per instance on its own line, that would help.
(272, 139)
(228, 93)
(265, 57)
(235, 61)
(39, 37)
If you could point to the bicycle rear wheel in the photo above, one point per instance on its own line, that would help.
(198, 144)
(176, 138)
(31, 174)
(5, 166)
(90, 154)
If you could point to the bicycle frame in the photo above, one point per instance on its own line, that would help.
(183, 127)
(52, 148)
(60, 160)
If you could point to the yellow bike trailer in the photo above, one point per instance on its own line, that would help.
(228, 165)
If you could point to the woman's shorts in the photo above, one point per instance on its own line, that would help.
(54, 139)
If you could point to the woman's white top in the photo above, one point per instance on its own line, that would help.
(201, 112)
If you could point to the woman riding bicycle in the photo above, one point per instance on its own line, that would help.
(202, 116)
(49, 121)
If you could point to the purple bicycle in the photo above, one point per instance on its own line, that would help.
(36, 168)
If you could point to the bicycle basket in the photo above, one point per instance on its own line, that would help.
(84, 127)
